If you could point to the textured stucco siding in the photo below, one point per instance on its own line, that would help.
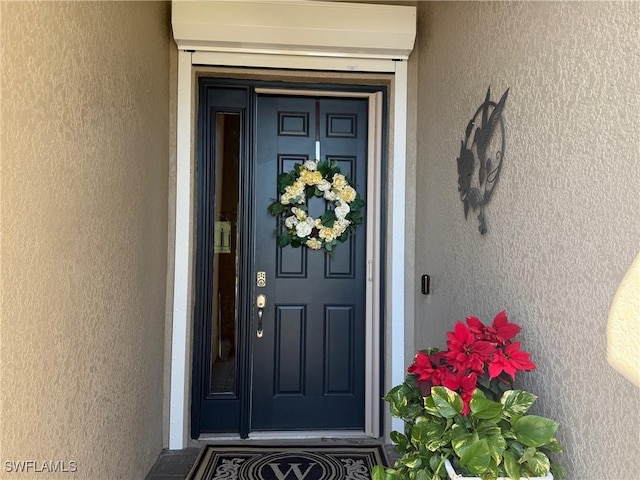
(84, 187)
(564, 221)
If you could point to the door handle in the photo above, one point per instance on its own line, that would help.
(261, 301)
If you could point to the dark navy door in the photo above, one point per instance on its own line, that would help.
(307, 369)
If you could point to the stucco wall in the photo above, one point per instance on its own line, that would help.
(84, 187)
(564, 222)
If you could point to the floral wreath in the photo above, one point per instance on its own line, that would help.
(316, 179)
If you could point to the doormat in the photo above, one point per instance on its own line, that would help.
(287, 462)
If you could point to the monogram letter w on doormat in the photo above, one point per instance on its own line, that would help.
(287, 463)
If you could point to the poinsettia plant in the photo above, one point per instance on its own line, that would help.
(460, 409)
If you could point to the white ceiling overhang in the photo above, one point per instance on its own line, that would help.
(295, 27)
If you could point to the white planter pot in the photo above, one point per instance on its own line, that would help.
(455, 476)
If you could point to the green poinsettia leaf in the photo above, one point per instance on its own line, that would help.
(539, 464)
(483, 408)
(529, 452)
(411, 462)
(432, 434)
(461, 439)
(517, 449)
(378, 473)
(534, 431)
(430, 407)
(436, 464)
(511, 465)
(553, 446)
(420, 431)
(497, 445)
(448, 402)
(558, 471)
(476, 458)
(517, 402)
(397, 405)
(399, 440)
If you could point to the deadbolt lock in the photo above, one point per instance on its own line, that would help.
(261, 279)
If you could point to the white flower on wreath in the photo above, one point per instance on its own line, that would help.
(310, 178)
(294, 193)
(310, 165)
(303, 229)
(313, 243)
(339, 181)
(300, 214)
(340, 225)
(324, 185)
(348, 194)
(342, 209)
(291, 222)
(327, 234)
(330, 196)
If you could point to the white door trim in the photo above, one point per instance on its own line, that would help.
(179, 408)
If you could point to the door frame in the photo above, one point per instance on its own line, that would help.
(392, 298)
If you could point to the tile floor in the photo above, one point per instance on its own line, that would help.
(173, 464)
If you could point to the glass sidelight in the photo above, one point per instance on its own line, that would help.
(224, 313)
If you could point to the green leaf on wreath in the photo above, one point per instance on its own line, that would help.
(284, 240)
(285, 179)
(276, 208)
(328, 218)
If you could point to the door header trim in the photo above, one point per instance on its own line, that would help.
(316, 28)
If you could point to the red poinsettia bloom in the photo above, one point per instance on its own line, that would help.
(421, 366)
(500, 332)
(512, 360)
(465, 352)
(464, 384)
(440, 375)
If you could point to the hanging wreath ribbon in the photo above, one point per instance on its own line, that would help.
(316, 179)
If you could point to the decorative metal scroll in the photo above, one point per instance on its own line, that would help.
(480, 160)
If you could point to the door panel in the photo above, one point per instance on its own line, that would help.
(307, 370)
(219, 389)
(308, 367)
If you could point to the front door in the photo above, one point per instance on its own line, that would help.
(308, 366)
(305, 369)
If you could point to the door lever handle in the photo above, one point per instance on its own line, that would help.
(261, 301)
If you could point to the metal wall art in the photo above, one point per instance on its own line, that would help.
(480, 160)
